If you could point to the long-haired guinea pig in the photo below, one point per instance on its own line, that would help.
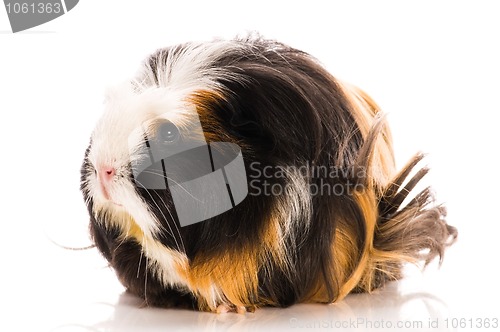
(317, 209)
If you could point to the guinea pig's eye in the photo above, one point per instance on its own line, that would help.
(168, 132)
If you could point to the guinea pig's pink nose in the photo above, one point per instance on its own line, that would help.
(106, 173)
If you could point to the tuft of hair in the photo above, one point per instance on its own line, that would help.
(395, 233)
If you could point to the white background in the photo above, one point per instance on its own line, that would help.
(432, 65)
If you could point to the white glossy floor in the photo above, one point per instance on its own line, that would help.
(433, 66)
(74, 291)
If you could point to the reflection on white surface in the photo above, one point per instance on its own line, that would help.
(358, 312)
(391, 308)
(76, 291)
(81, 294)
(382, 309)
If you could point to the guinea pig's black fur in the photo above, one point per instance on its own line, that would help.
(324, 213)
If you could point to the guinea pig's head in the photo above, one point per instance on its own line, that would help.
(173, 105)
(133, 120)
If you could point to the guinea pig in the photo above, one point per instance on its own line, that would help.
(322, 212)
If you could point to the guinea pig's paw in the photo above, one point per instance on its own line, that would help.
(225, 308)
(240, 309)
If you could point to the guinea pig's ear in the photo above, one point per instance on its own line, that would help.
(242, 117)
(246, 126)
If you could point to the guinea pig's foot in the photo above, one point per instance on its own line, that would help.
(225, 308)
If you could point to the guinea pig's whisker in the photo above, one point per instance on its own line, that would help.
(140, 260)
(175, 182)
(171, 232)
(175, 225)
(146, 280)
(122, 241)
